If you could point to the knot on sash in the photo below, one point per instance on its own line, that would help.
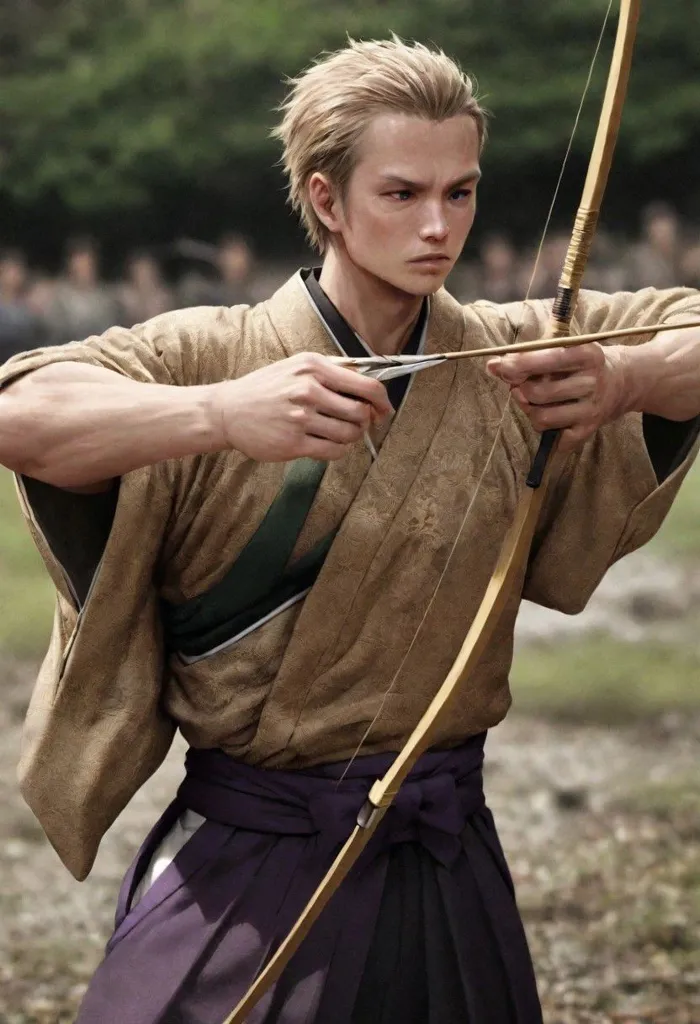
(432, 807)
(432, 811)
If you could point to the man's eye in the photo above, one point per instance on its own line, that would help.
(461, 193)
(401, 194)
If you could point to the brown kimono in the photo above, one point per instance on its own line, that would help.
(302, 688)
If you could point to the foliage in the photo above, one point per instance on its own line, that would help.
(112, 105)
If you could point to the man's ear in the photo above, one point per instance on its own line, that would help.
(324, 199)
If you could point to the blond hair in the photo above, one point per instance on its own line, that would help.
(329, 105)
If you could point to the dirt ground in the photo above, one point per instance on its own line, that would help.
(602, 829)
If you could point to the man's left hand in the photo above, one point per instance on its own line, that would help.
(574, 390)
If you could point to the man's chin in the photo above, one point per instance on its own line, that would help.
(421, 284)
(420, 289)
(407, 280)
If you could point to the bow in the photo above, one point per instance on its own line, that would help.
(517, 542)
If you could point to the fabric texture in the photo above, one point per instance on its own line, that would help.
(425, 929)
(302, 689)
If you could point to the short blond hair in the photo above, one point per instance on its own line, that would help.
(329, 105)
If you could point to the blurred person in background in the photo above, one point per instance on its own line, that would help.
(690, 267)
(81, 303)
(247, 538)
(607, 271)
(20, 328)
(231, 283)
(655, 260)
(498, 265)
(495, 276)
(39, 296)
(549, 267)
(143, 293)
(236, 266)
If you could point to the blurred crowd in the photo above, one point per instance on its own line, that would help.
(665, 254)
(36, 309)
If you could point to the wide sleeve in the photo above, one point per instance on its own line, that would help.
(174, 348)
(606, 503)
(95, 729)
(612, 496)
(595, 311)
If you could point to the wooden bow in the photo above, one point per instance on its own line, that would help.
(516, 545)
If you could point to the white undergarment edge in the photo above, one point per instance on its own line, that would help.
(181, 832)
(191, 659)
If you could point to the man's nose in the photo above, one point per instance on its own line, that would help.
(435, 223)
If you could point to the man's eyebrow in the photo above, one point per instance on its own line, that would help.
(416, 186)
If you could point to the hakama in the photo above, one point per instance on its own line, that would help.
(425, 929)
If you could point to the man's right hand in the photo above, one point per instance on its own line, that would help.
(305, 405)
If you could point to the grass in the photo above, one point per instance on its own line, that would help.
(675, 802)
(601, 680)
(26, 593)
(680, 535)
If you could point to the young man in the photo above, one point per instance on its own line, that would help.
(246, 571)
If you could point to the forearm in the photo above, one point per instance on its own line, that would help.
(72, 425)
(663, 376)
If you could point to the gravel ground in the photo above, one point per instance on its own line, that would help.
(602, 830)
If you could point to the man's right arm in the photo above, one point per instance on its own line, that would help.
(79, 426)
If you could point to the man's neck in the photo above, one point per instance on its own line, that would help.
(382, 316)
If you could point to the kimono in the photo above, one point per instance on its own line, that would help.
(296, 687)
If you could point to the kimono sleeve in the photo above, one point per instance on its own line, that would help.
(612, 496)
(595, 311)
(174, 348)
(96, 729)
(606, 503)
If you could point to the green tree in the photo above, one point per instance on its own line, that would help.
(110, 106)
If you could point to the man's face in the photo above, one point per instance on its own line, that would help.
(411, 199)
(663, 232)
(235, 261)
(82, 267)
(13, 275)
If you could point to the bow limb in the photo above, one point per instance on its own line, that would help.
(515, 548)
(598, 171)
(594, 187)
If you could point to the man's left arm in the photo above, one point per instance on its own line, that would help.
(578, 390)
(624, 469)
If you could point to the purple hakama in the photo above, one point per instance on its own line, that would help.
(424, 930)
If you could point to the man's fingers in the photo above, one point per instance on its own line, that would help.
(316, 448)
(517, 367)
(555, 392)
(342, 408)
(327, 428)
(574, 437)
(561, 417)
(348, 382)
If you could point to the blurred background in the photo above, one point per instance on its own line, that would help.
(137, 175)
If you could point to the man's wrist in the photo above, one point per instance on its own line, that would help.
(638, 367)
(217, 401)
(662, 376)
